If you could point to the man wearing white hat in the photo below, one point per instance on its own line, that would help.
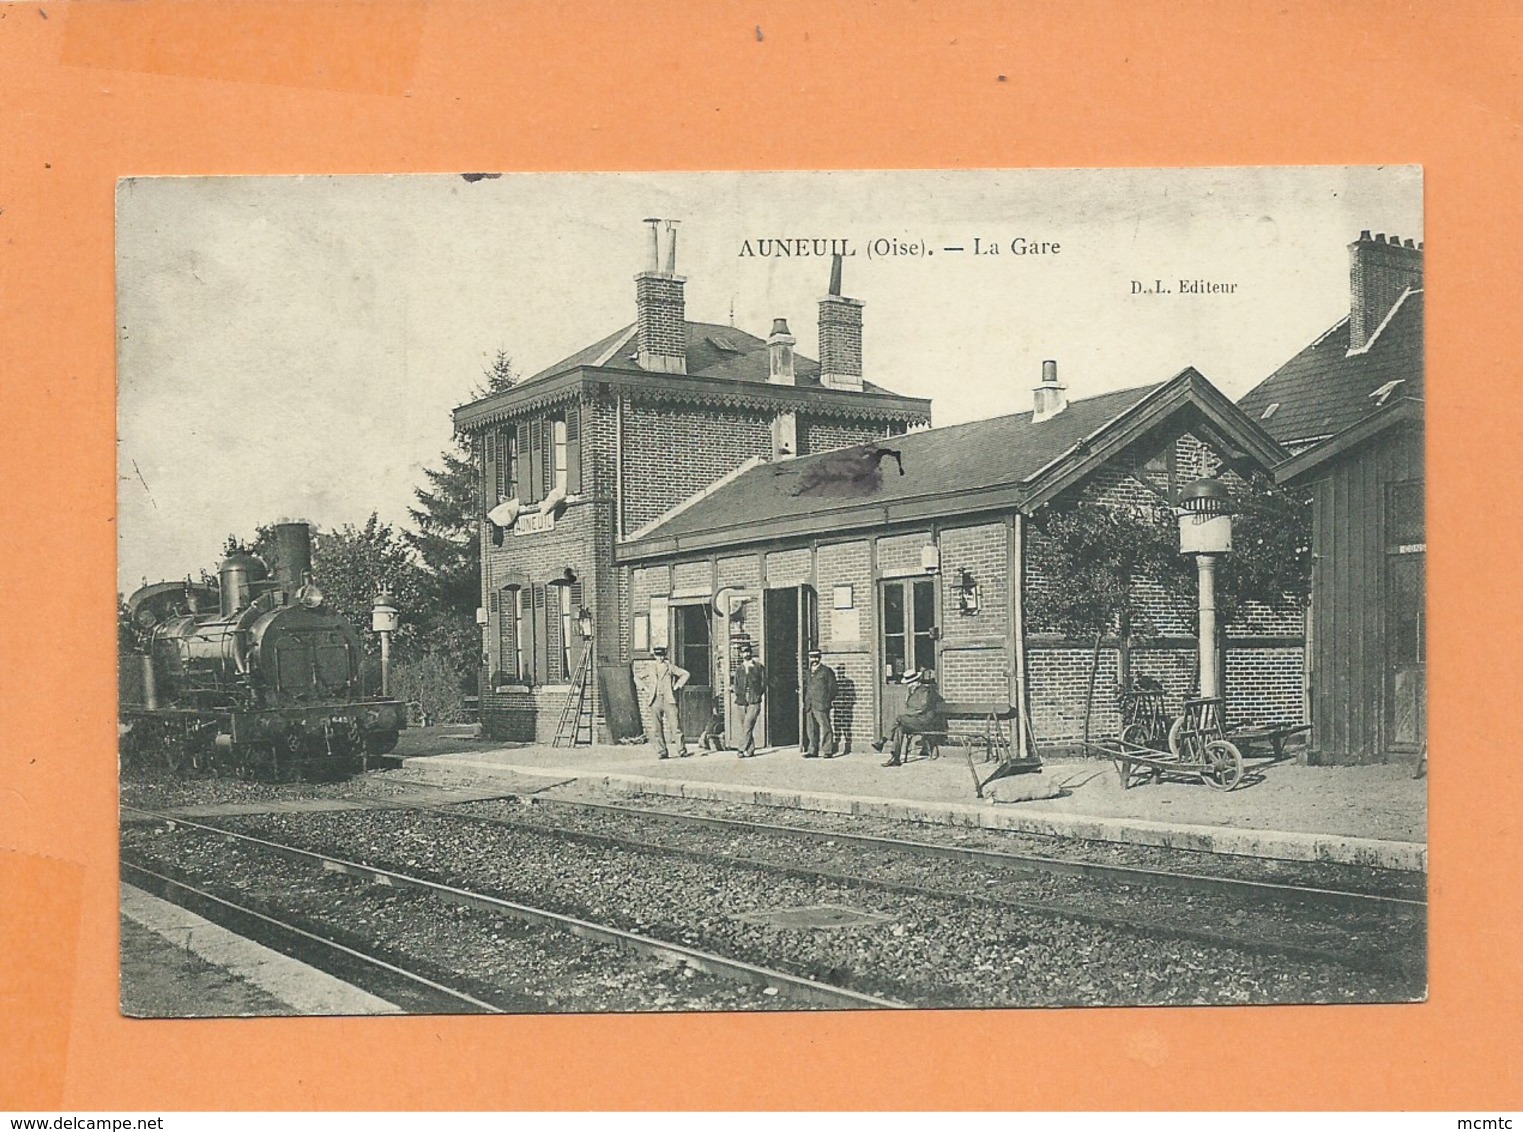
(924, 712)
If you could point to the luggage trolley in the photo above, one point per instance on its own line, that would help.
(1198, 748)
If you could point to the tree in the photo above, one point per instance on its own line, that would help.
(447, 539)
(1088, 556)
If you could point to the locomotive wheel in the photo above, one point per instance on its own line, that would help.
(1224, 764)
(381, 742)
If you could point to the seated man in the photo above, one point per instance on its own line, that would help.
(924, 711)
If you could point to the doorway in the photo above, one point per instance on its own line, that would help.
(692, 649)
(790, 627)
(908, 641)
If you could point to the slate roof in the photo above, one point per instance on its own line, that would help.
(960, 458)
(1324, 389)
(713, 351)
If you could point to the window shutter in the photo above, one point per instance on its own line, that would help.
(520, 453)
(493, 601)
(534, 457)
(489, 473)
(578, 644)
(541, 635)
(573, 452)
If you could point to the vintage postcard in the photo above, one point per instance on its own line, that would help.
(624, 593)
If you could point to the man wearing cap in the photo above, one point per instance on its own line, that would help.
(924, 712)
(819, 695)
(665, 680)
(750, 688)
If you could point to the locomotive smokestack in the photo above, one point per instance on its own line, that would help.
(293, 556)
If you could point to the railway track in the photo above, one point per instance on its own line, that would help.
(794, 988)
(1343, 899)
(1148, 926)
(992, 928)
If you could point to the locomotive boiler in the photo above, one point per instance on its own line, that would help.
(255, 675)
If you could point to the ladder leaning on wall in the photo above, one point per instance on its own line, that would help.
(575, 728)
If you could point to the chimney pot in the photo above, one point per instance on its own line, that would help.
(1049, 400)
(660, 308)
(1364, 234)
(780, 354)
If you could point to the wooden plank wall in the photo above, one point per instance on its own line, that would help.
(1348, 676)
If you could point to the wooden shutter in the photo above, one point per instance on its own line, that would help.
(573, 455)
(536, 464)
(520, 475)
(489, 473)
(578, 645)
(541, 635)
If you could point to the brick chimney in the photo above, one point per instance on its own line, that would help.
(660, 309)
(840, 336)
(1380, 272)
(780, 345)
(1048, 400)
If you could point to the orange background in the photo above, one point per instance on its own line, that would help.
(94, 90)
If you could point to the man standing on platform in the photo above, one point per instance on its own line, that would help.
(819, 696)
(750, 688)
(666, 680)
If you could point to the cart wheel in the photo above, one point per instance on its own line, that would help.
(1224, 764)
(1174, 729)
(1137, 734)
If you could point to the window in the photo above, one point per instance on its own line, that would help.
(558, 443)
(535, 457)
(510, 635)
(909, 626)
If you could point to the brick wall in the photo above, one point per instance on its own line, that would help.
(788, 568)
(692, 578)
(742, 571)
(822, 434)
(672, 452)
(983, 551)
(901, 553)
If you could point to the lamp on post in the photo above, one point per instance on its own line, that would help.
(1205, 532)
(384, 620)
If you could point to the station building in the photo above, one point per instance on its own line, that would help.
(916, 553)
(606, 441)
(1349, 407)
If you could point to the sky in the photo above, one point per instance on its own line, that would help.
(292, 347)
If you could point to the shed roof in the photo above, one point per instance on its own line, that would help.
(960, 468)
(1326, 388)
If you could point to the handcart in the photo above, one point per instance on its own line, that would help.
(1198, 748)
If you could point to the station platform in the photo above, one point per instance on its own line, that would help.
(1365, 815)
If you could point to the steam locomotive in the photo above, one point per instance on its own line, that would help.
(252, 675)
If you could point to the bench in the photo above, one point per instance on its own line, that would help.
(993, 740)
